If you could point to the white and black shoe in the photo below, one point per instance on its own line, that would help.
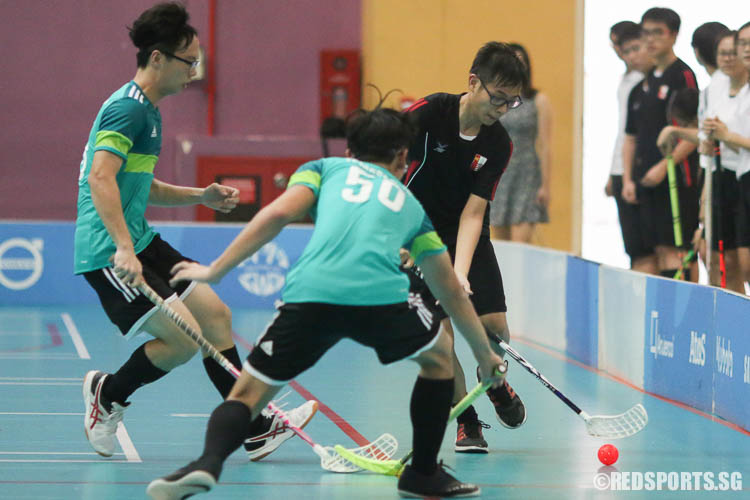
(101, 416)
(184, 483)
(275, 431)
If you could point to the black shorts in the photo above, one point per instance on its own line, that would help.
(743, 232)
(484, 277)
(127, 307)
(300, 333)
(627, 213)
(655, 214)
(725, 213)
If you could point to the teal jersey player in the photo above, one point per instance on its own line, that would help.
(129, 126)
(365, 210)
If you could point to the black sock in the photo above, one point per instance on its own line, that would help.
(430, 406)
(469, 415)
(227, 429)
(136, 372)
(222, 379)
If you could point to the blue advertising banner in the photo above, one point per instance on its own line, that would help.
(36, 266)
(582, 310)
(730, 360)
(679, 325)
(36, 263)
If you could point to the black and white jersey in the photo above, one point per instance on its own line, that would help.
(647, 113)
(446, 167)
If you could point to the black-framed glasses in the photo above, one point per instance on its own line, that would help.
(192, 64)
(511, 101)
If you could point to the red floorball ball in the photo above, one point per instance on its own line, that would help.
(608, 454)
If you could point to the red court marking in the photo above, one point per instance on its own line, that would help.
(324, 408)
(622, 381)
(54, 333)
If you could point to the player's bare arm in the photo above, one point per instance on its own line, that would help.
(220, 198)
(628, 153)
(469, 230)
(106, 198)
(671, 134)
(658, 172)
(721, 132)
(544, 147)
(293, 204)
(450, 293)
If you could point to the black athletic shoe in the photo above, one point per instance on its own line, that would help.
(509, 408)
(469, 438)
(439, 484)
(192, 479)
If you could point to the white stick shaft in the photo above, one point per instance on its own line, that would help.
(213, 352)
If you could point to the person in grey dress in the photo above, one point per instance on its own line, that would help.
(522, 197)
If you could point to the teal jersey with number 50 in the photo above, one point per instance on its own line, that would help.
(363, 216)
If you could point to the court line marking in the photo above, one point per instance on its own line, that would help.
(53, 461)
(334, 417)
(52, 453)
(129, 450)
(83, 353)
(40, 381)
(624, 382)
(127, 444)
(37, 356)
(76, 379)
(44, 414)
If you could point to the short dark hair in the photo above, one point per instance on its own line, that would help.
(163, 27)
(728, 34)
(378, 135)
(683, 105)
(705, 39)
(619, 29)
(528, 89)
(629, 33)
(497, 63)
(663, 15)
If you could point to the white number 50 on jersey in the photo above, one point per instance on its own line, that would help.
(362, 189)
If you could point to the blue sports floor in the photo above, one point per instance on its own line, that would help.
(45, 352)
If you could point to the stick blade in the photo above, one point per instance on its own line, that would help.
(375, 456)
(618, 426)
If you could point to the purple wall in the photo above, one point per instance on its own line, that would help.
(60, 60)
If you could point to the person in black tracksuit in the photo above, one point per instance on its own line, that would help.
(651, 234)
(455, 165)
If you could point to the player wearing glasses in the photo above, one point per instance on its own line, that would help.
(116, 249)
(456, 162)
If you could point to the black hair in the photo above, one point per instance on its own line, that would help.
(619, 29)
(729, 33)
(705, 39)
(378, 135)
(498, 63)
(528, 90)
(629, 33)
(683, 105)
(663, 15)
(163, 27)
(744, 26)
